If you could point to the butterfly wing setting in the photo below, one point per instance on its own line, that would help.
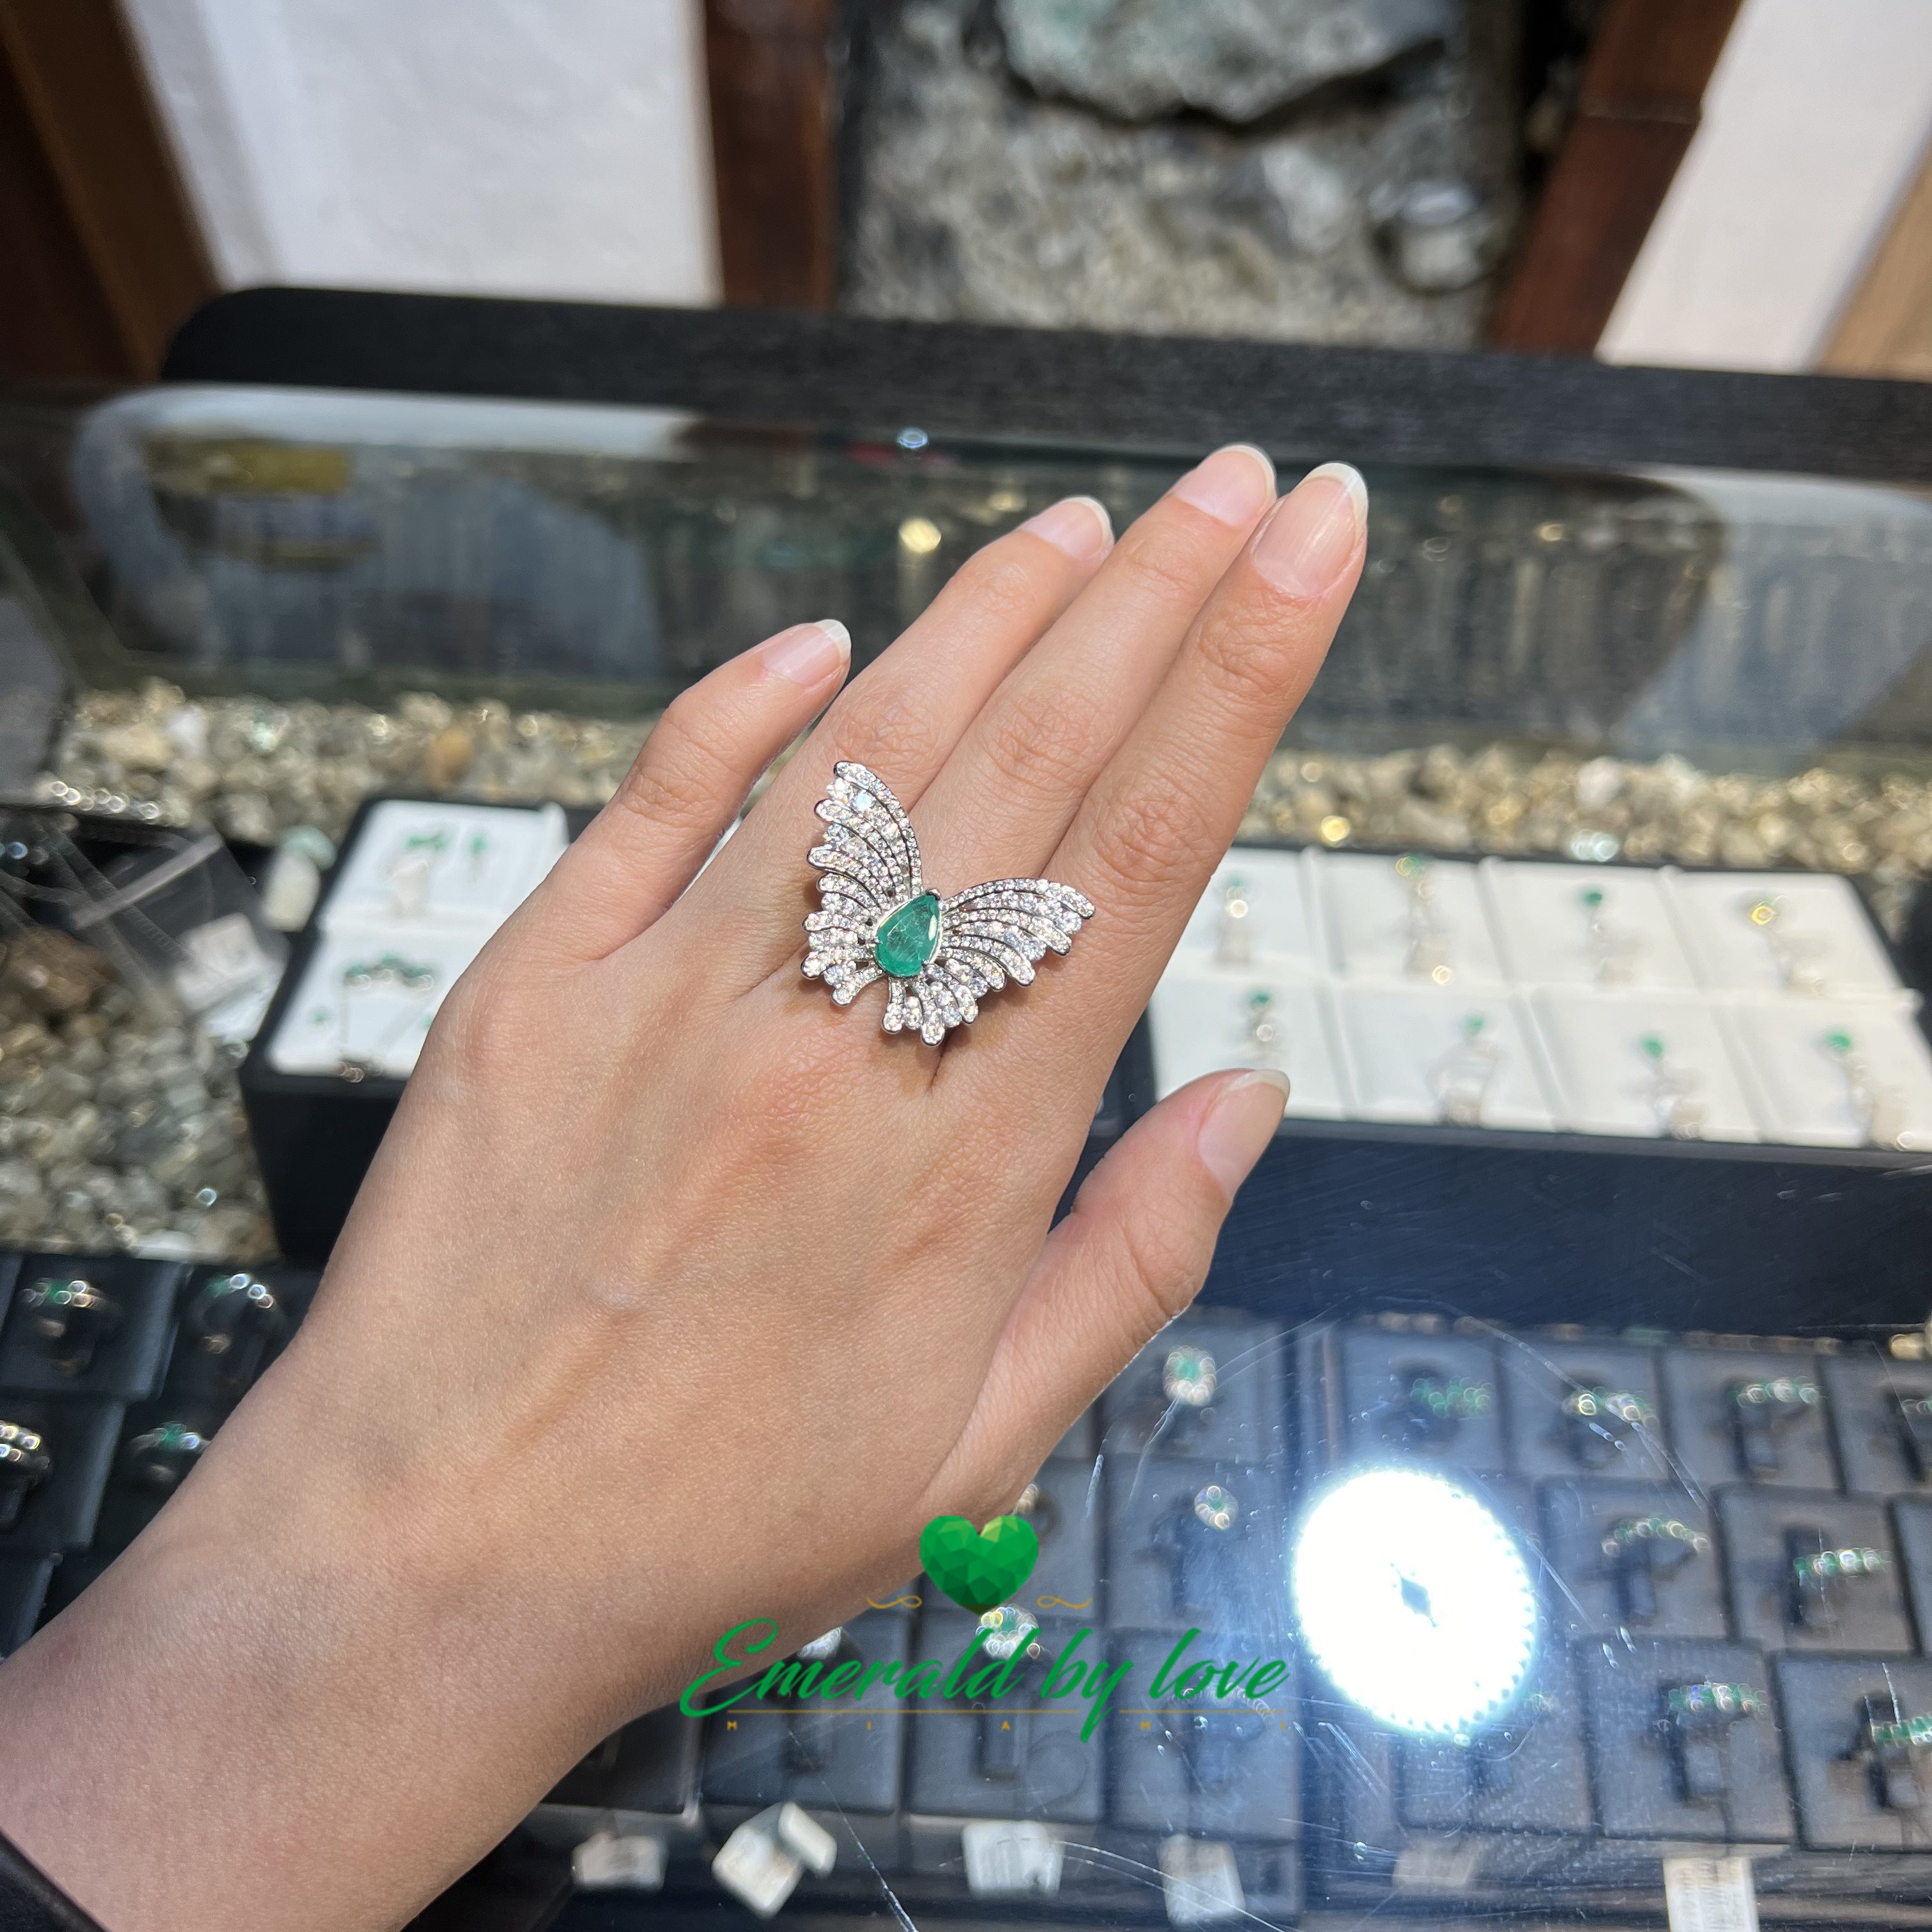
(878, 920)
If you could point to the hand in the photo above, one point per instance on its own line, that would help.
(677, 1294)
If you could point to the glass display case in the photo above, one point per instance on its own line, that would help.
(1536, 1516)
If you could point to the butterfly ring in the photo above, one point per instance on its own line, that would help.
(877, 920)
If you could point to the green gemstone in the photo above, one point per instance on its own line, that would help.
(907, 939)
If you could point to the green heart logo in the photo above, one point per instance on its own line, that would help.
(979, 1569)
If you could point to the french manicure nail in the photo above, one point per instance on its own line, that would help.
(1234, 486)
(808, 654)
(1077, 525)
(1307, 544)
(1240, 1123)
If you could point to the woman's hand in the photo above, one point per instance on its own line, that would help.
(677, 1294)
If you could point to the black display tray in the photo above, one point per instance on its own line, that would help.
(314, 1136)
(1519, 1226)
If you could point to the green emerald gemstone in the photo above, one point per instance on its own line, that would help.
(907, 939)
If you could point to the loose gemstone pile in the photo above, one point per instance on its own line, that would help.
(1509, 799)
(256, 769)
(121, 1127)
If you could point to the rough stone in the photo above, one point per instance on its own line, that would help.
(1238, 59)
(981, 200)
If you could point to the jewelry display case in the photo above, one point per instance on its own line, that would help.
(1546, 1472)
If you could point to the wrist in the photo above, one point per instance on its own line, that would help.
(265, 1655)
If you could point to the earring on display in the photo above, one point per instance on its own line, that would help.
(1792, 955)
(24, 1465)
(391, 972)
(1264, 1030)
(1215, 1508)
(1233, 932)
(1461, 1080)
(1671, 1091)
(1428, 955)
(1189, 1376)
(1877, 1110)
(1613, 954)
(412, 871)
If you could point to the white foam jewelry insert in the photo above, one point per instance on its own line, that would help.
(1585, 925)
(348, 1009)
(1654, 1064)
(1420, 922)
(1623, 1000)
(414, 900)
(1433, 1054)
(1837, 1073)
(1802, 934)
(1204, 1019)
(416, 862)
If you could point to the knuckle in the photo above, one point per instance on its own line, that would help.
(1046, 740)
(1002, 586)
(891, 732)
(1168, 565)
(783, 1102)
(791, 1098)
(488, 1028)
(679, 778)
(1148, 836)
(619, 1277)
(1162, 1268)
(1244, 660)
(664, 795)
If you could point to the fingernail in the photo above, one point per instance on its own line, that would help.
(1234, 486)
(808, 654)
(1240, 1123)
(1077, 525)
(1308, 542)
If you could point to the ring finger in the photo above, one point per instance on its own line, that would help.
(905, 713)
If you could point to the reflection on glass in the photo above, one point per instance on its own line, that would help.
(1415, 1600)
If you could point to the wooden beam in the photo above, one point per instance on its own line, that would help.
(1886, 328)
(775, 110)
(53, 322)
(1640, 102)
(104, 257)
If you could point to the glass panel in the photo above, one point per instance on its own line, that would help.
(300, 543)
(1636, 1591)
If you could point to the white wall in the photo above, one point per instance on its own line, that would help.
(1814, 124)
(502, 147)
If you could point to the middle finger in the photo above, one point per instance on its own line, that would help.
(1014, 781)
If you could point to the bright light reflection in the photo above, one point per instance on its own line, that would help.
(1414, 1600)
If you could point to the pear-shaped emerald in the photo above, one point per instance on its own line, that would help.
(907, 939)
